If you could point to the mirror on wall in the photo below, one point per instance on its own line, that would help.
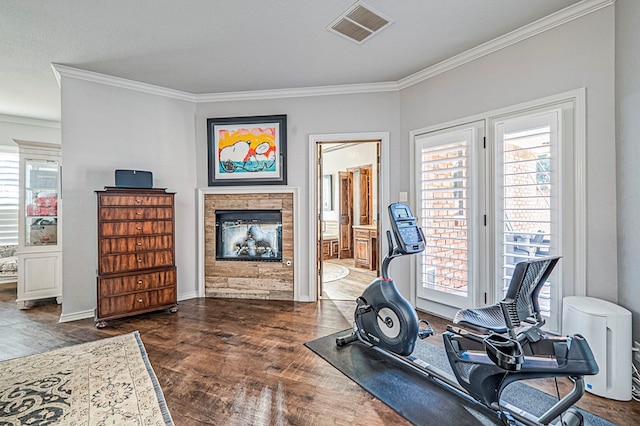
(327, 192)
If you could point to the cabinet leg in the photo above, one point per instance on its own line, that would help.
(173, 310)
(59, 300)
(22, 305)
(101, 324)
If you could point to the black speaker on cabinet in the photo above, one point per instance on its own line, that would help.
(134, 179)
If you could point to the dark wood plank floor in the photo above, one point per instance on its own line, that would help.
(235, 362)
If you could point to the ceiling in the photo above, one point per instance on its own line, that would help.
(218, 46)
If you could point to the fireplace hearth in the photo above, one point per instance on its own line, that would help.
(249, 235)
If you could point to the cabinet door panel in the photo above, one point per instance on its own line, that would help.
(362, 252)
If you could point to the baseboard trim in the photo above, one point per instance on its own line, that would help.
(187, 296)
(75, 316)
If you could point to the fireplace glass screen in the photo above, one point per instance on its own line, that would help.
(249, 235)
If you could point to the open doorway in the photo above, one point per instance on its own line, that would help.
(348, 188)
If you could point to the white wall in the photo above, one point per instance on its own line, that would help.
(107, 128)
(27, 129)
(577, 54)
(628, 140)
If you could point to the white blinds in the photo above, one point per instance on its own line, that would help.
(9, 193)
(444, 214)
(527, 184)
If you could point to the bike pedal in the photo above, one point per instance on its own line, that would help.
(425, 332)
(363, 309)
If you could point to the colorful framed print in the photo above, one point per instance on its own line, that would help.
(247, 150)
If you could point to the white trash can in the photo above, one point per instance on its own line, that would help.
(607, 328)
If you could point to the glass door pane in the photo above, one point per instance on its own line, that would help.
(41, 202)
(528, 201)
(446, 207)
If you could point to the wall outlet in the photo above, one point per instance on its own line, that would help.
(636, 351)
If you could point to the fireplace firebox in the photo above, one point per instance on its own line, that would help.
(249, 235)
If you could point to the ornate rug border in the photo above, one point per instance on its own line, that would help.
(156, 385)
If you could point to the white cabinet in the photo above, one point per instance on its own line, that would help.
(39, 245)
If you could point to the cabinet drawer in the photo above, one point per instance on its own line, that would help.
(136, 200)
(136, 302)
(359, 233)
(135, 244)
(135, 283)
(133, 262)
(121, 229)
(135, 213)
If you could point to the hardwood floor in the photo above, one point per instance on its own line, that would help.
(351, 286)
(236, 362)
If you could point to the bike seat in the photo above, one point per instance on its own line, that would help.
(520, 302)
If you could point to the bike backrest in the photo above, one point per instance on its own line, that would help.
(521, 300)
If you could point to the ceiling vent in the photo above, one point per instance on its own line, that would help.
(359, 23)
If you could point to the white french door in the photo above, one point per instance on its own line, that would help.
(504, 187)
(448, 165)
(528, 198)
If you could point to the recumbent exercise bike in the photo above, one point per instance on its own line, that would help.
(489, 347)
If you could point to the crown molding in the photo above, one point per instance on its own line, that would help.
(29, 121)
(544, 24)
(94, 77)
(554, 20)
(345, 89)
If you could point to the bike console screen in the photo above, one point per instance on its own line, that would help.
(405, 228)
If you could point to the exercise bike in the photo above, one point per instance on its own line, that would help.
(487, 348)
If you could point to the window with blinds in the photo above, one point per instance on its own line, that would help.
(9, 194)
(527, 187)
(444, 217)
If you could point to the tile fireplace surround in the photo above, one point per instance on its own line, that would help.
(248, 279)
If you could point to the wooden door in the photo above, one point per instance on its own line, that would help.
(366, 196)
(346, 215)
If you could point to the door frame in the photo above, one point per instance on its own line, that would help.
(383, 190)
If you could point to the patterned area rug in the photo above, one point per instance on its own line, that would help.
(106, 382)
(333, 272)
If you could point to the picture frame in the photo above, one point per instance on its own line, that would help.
(247, 150)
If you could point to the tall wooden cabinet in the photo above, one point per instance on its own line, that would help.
(136, 252)
(39, 221)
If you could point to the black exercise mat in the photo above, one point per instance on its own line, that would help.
(419, 399)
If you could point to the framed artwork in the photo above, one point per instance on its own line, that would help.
(247, 150)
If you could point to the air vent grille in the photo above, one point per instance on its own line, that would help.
(367, 18)
(359, 23)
